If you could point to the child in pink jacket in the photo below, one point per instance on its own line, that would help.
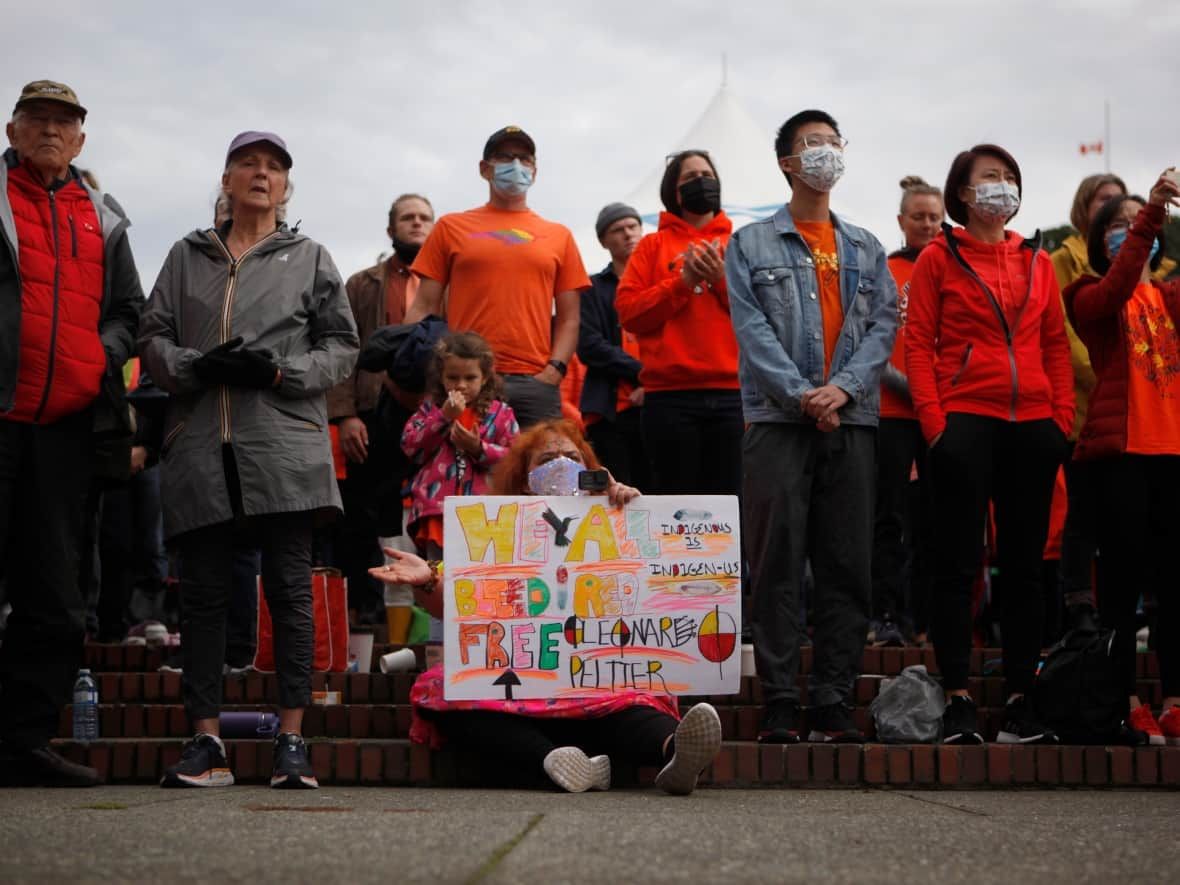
(458, 433)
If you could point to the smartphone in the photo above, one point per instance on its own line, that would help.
(593, 481)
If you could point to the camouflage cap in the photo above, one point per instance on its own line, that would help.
(47, 90)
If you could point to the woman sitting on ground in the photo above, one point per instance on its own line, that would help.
(557, 735)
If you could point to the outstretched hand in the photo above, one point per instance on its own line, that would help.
(406, 568)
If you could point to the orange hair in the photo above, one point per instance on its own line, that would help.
(510, 476)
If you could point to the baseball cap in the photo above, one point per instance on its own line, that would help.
(501, 135)
(47, 90)
(245, 139)
(611, 213)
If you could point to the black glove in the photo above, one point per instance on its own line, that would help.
(226, 364)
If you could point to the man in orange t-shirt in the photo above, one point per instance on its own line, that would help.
(513, 278)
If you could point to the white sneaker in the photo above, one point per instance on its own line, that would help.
(698, 738)
(575, 772)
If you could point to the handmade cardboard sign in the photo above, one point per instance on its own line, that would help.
(570, 597)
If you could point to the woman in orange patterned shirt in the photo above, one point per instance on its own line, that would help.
(1132, 431)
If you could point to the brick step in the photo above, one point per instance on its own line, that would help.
(740, 764)
(382, 721)
(116, 658)
(378, 688)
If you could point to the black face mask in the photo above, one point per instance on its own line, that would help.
(700, 196)
(407, 252)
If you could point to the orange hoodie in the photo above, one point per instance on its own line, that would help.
(686, 339)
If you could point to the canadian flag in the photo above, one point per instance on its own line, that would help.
(1092, 148)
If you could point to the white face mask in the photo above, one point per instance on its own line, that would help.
(821, 167)
(996, 200)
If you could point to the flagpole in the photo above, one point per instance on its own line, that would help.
(1106, 133)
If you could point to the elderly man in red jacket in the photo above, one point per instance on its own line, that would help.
(69, 304)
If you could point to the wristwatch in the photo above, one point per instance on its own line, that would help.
(561, 367)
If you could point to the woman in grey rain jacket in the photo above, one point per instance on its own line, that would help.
(247, 327)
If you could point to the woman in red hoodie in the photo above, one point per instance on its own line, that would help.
(1132, 432)
(992, 386)
(672, 297)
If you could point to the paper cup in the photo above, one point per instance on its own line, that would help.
(748, 668)
(399, 661)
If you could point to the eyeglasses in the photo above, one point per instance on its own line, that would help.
(814, 141)
(690, 152)
(503, 157)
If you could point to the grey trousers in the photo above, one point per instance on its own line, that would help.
(532, 401)
(809, 495)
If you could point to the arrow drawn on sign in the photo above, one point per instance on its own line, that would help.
(508, 679)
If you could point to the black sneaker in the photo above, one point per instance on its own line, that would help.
(780, 724)
(833, 723)
(292, 771)
(960, 723)
(42, 767)
(202, 764)
(1023, 726)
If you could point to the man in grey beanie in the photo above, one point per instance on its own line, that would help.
(612, 400)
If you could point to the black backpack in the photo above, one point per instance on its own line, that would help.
(1078, 691)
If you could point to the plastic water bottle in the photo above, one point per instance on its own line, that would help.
(85, 707)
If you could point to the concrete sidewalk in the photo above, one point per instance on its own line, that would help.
(423, 835)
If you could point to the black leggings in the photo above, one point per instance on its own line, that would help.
(1014, 464)
(635, 735)
(1138, 533)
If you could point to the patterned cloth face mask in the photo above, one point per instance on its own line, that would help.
(556, 477)
(997, 200)
(821, 167)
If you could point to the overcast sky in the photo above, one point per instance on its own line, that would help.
(379, 98)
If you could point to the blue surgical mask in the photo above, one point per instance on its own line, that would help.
(512, 179)
(1118, 236)
(556, 477)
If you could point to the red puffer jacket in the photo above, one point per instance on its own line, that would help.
(985, 333)
(62, 360)
(1095, 307)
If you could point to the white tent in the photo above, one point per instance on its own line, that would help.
(751, 184)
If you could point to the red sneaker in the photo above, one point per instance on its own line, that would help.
(1169, 725)
(1142, 720)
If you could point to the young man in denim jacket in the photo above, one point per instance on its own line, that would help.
(815, 312)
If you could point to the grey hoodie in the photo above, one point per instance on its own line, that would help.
(283, 294)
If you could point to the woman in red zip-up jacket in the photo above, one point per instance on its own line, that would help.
(673, 298)
(992, 386)
(1132, 432)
